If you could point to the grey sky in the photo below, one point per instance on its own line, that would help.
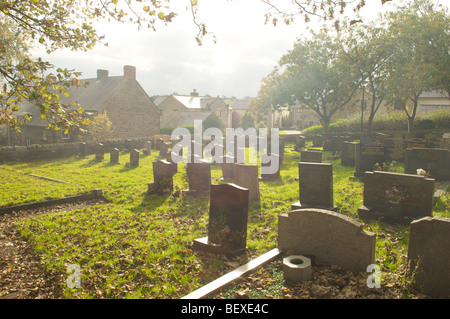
(169, 60)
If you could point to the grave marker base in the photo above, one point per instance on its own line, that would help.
(202, 244)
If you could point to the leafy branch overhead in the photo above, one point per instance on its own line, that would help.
(69, 24)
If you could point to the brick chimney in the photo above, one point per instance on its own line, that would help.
(102, 74)
(129, 72)
(194, 93)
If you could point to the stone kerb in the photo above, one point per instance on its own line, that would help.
(428, 255)
(396, 197)
(330, 237)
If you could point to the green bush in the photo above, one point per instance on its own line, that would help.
(392, 122)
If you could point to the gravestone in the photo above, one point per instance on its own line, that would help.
(435, 161)
(330, 237)
(83, 149)
(114, 156)
(396, 197)
(196, 152)
(227, 227)
(163, 172)
(269, 166)
(99, 152)
(227, 168)
(247, 176)
(315, 186)
(147, 149)
(311, 156)
(417, 142)
(159, 142)
(134, 158)
(366, 156)
(199, 178)
(445, 141)
(300, 142)
(163, 149)
(348, 153)
(428, 255)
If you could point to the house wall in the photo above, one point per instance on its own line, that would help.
(220, 109)
(169, 109)
(132, 112)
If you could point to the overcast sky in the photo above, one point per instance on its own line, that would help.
(169, 60)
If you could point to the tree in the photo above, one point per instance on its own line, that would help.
(247, 121)
(420, 37)
(57, 24)
(314, 77)
(99, 128)
(367, 52)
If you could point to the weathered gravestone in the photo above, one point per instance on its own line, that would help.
(199, 178)
(163, 149)
(99, 152)
(396, 197)
(435, 161)
(134, 158)
(228, 214)
(315, 186)
(395, 149)
(147, 149)
(330, 237)
(159, 142)
(428, 255)
(317, 140)
(366, 156)
(268, 171)
(226, 166)
(348, 153)
(114, 156)
(83, 149)
(163, 172)
(247, 176)
(445, 141)
(299, 142)
(311, 156)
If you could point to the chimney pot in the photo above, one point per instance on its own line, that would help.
(102, 74)
(129, 72)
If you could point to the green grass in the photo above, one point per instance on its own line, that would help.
(139, 245)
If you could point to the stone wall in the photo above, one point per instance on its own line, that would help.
(51, 151)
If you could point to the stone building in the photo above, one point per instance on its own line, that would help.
(131, 111)
(182, 110)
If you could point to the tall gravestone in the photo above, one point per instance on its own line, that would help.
(428, 255)
(396, 197)
(134, 158)
(331, 237)
(227, 167)
(227, 227)
(435, 161)
(315, 186)
(163, 172)
(83, 149)
(199, 178)
(348, 153)
(247, 176)
(114, 156)
(147, 149)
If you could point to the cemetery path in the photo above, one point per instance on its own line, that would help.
(22, 275)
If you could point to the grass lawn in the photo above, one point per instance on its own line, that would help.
(140, 246)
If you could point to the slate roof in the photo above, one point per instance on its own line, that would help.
(91, 98)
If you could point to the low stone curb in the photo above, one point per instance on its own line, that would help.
(94, 194)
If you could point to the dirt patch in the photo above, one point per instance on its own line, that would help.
(22, 275)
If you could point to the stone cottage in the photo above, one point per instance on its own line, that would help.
(182, 110)
(127, 105)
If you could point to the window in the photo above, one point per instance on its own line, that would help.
(64, 135)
